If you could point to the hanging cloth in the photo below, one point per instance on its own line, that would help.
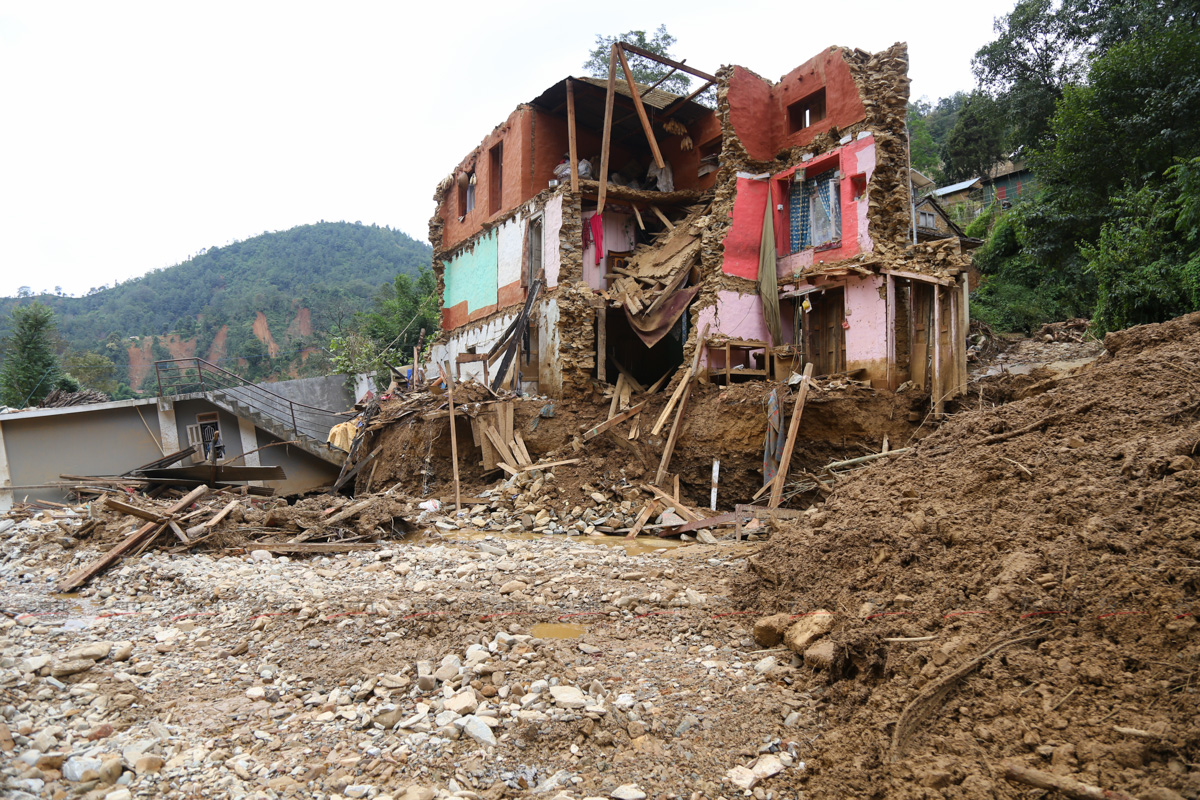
(773, 452)
(597, 225)
(768, 284)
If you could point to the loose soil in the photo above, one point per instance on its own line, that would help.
(1071, 516)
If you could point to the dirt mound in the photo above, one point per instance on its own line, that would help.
(1023, 587)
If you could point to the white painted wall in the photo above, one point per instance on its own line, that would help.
(509, 250)
(551, 258)
(550, 370)
(6, 495)
(481, 337)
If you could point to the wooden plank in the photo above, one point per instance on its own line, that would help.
(132, 510)
(641, 109)
(520, 443)
(610, 423)
(178, 531)
(669, 449)
(572, 147)
(666, 412)
(629, 379)
(790, 443)
(939, 391)
(647, 512)
(680, 508)
(679, 65)
(350, 473)
(616, 396)
(222, 514)
(142, 535)
(670, 225)
(709, 522)
(550, 464)
(506, 455)
(453, 444)
(606, 140)
(638, 214)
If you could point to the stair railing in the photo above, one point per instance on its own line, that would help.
(178, 376)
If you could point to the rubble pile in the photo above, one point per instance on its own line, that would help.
(466, 667)
(1018, 593)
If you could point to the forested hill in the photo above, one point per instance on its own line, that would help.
(277, 295)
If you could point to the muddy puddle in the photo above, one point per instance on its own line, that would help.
(557, 630)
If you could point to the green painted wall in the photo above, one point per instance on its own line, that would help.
(472, 275)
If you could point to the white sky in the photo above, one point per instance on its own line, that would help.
(133, 135)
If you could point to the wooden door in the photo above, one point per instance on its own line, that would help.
(825, 336)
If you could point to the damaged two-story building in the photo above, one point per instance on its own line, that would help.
(782, 217)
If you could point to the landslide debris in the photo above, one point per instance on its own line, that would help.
(1021, 588)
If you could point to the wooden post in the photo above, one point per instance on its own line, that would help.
(602, 343)
(453, 441)
(890, 333)
(641, 110)
(606, 141)
(573, 153)
(669, 449)
(712, 503)
(939, 406)
(790, 443)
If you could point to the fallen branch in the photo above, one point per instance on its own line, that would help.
(1018, 773)
(1041, 423)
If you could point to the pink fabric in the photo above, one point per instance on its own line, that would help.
(597, 224)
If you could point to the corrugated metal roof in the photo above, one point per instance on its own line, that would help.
(957, 187)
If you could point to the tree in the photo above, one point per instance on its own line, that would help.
(645, 70)
(92, 370)
(1039, 51)
(31, 366)
(976, 143)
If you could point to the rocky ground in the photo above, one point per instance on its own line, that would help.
(457, 664)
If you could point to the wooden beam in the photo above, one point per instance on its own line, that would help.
(550, 464)
(641, 111)
(679, 65)
(681, 102)
(143, 535)
(709, 522)
(790, 444)
(669, 448)
(680, 509)
(453, 443)
(642, 518)
(617, 420)
(939, 391)
(630, 381)
(606, 140)
(222, 514)
(133, 511)
(670, 225)
(613, 407)
(573, 153)
(638, 214)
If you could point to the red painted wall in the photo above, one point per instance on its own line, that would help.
(758, 110)
(745, 234)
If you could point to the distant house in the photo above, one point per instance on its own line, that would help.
(1007, 182)
(921, 183)
(259, 425)
(934, 223)
(957, 193)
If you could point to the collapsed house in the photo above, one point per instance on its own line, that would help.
(610, 227)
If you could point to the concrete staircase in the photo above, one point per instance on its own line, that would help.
(270, 420)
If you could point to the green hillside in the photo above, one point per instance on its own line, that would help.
(208, 305)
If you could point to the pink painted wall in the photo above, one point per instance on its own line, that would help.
(618, 235)
(738, 316)
(867, 337)
(745, 234)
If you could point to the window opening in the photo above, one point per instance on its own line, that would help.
(806, 112)
(466, 194)
(536, 236)
(816, 211)
(497, 177)
(205, 435)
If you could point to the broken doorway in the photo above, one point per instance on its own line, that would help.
(824, 331)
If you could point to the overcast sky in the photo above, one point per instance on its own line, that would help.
(132, 135)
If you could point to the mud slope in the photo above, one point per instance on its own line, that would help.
(1069, 521)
